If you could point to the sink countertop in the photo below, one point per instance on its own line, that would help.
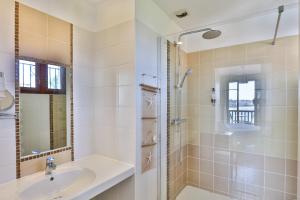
(108, 172)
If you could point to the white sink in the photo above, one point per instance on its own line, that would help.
(81, 179)
(65, 182)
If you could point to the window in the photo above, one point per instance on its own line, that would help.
(27, 74)
(241, 98)
(41, 78)
(54, 77)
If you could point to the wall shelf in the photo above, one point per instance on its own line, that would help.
(149, 145)
(8, 116)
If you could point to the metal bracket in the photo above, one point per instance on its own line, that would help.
(8, 116)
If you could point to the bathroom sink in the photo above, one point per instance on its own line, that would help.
(81, 179)
(60, 185)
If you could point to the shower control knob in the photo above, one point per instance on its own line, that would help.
(154, 139)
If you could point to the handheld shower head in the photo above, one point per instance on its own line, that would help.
(187, 73)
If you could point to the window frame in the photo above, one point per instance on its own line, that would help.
(37, 85)
(41, 82)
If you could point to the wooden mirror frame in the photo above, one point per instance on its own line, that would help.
(20, 159)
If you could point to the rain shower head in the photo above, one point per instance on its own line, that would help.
(187, 73)
(211, 34)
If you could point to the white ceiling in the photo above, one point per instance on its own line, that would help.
(241, 21)
(204, 12)
(248, 30)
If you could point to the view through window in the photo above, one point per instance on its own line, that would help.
(241, 108)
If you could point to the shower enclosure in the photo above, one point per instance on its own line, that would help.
(233, 121)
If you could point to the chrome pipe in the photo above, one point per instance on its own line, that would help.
(280, 11)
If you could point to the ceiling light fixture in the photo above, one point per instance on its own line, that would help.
(181, 13)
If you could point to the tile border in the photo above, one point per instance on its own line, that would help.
(168, 120)
(17, 92)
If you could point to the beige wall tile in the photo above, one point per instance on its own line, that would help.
(221, 170)
(193, 164)
(247, 160)
(222, 54)
(32, 21)
(255, 177)
(291, 185)
(193, 178)
(221, 141)
(194, 151)
(290, 196)
(7, 26)
(256, 50)
(33, 45)
(193, 137)
(291, 167)
(59, 30)
(221, 156)
(236, 189)
(276, 165)
(206, 153)
(292, 150)
(206, 181)
(58, 52)
(275, 148)
(273, 195)
(206, 56)
(221, 185)
(44, 37)
(253, 192)
(206, 166)
(193, 59)
(274, 181)
(36, 165)
(238, 174)
(237, 53)
(206, 139)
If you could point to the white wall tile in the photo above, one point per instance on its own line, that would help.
(114, 93)
(7, 63)
(7, 127)
(83, 92)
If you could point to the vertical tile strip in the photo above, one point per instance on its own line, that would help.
(168, 121)
(71, 94)
(17, 91)
(51, 122)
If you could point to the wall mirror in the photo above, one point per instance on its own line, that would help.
(43, 79)
(45, 115)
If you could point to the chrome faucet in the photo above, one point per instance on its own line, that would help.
(50, 165)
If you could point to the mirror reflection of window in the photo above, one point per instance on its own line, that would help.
(40, 78)
(27, 72)
(43, 87)
(241, 98)
(54, 77)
